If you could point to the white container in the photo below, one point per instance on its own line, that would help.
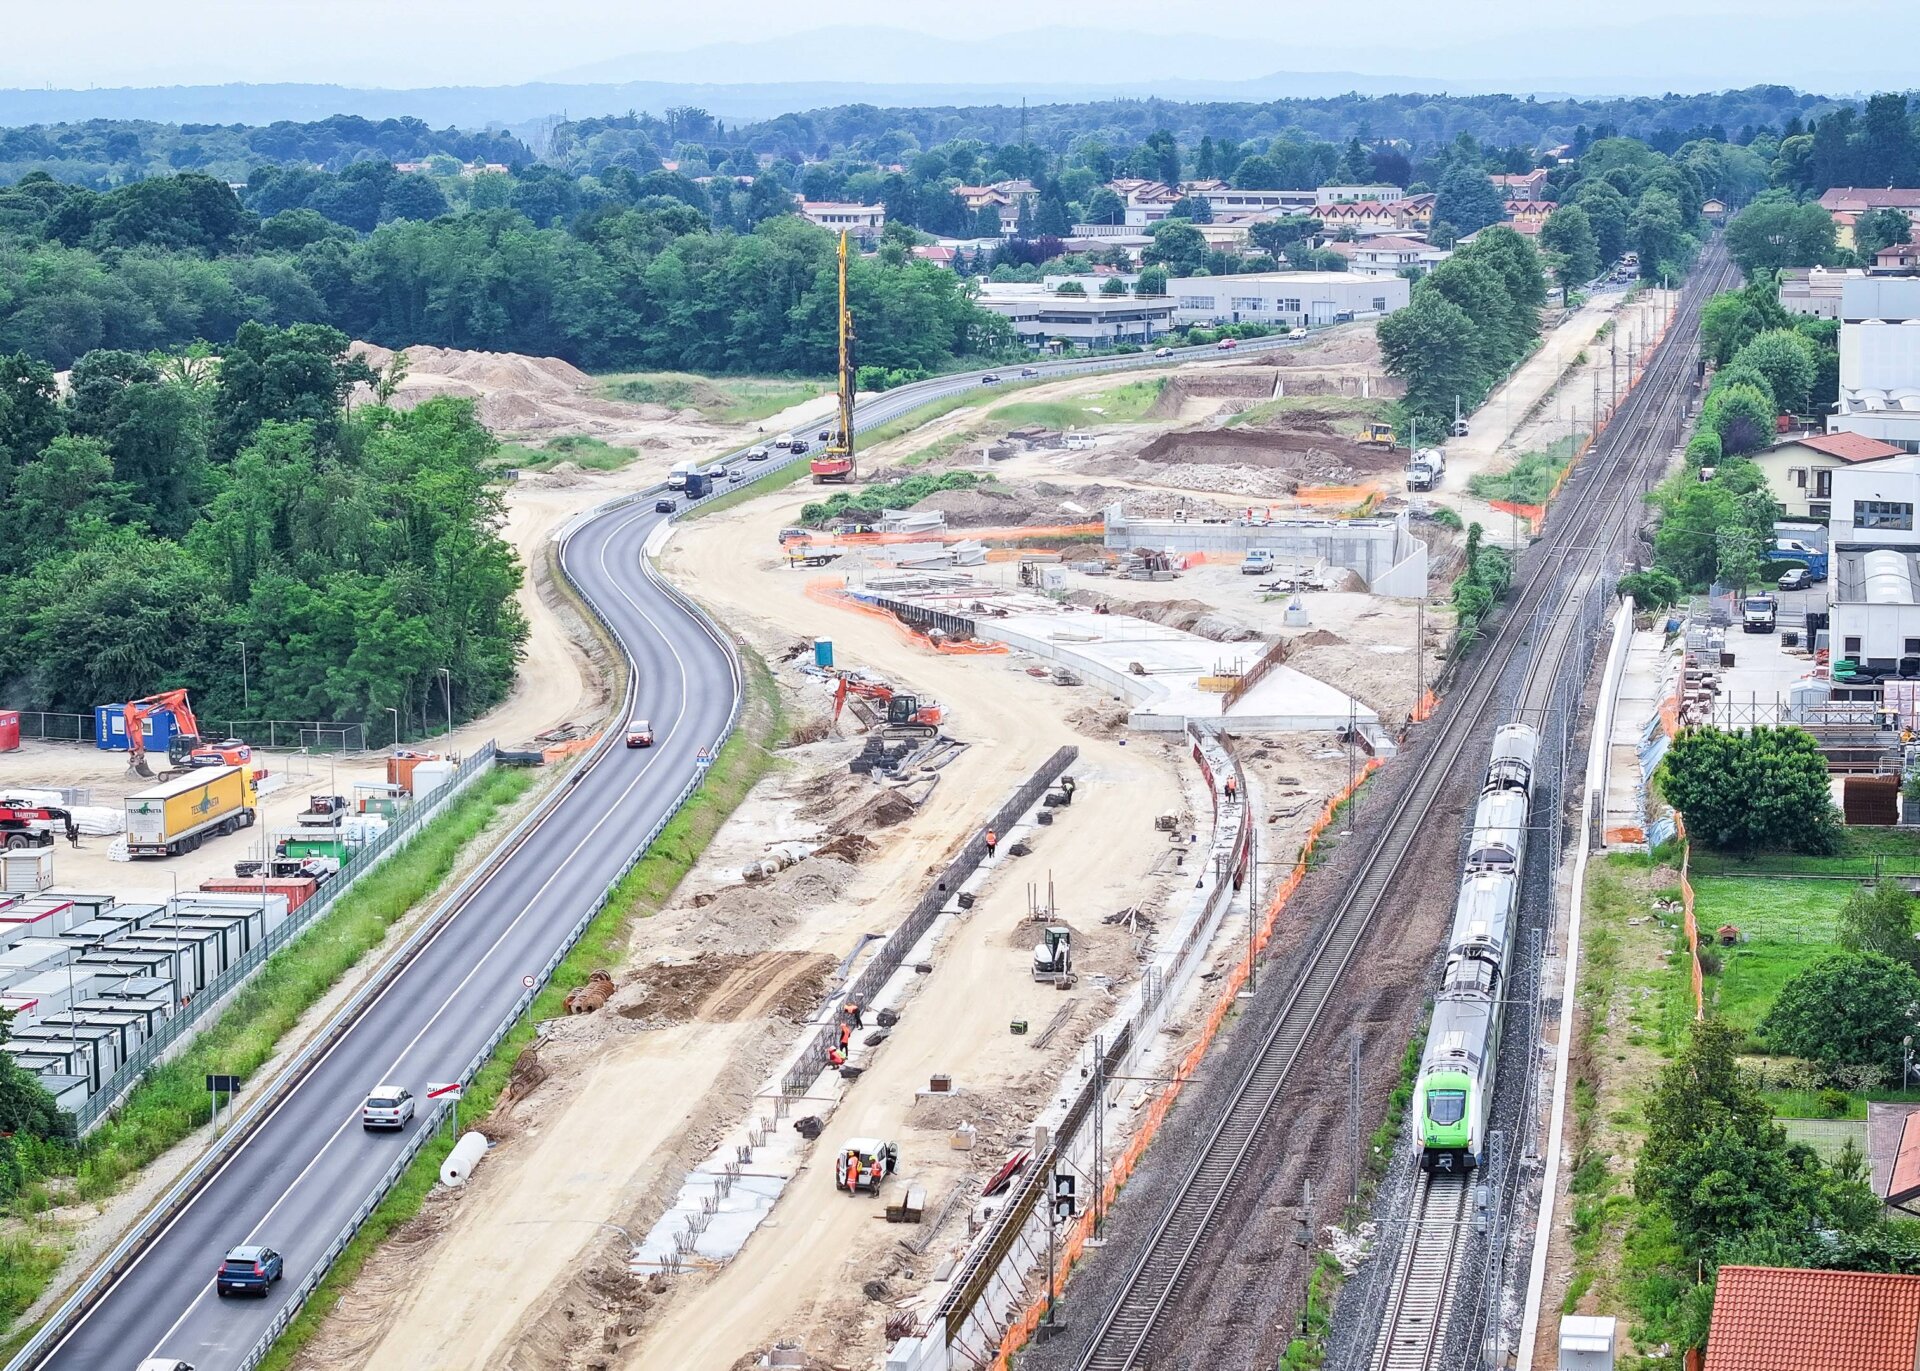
(465, 1156)
(26, 871)
(429, 777)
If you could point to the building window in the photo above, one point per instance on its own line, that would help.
(1888, 514)
(1798, 475)
(1196, 302)
(1850, 646)
(1289, 306)
(1913, 647)
(1380, 304)
(1823, 483)
(1249, 302)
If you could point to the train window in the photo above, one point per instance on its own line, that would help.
(1446, 1106)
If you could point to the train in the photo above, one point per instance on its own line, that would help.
(1453, 1094)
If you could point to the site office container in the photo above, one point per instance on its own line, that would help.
(85, 906)
(131, 916)
(29, 958)
(178, 815)
(250, 920)
(9, 730)
(101, 1041)
(288, 893)
(182, 964)
(400, 768)
(225, 939)
(119, 967)
(58, 990)
(37, 918)
(84, 1056)
(28, 870)
(110, 729)
(150, 995)
(146, 1015)
(45, 1059)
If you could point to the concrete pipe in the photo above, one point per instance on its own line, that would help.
(465, 1156)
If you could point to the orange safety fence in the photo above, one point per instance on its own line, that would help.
(830, 590)
(1423, 710)
(569, 748)
(1074, 1241)
(1338, 495)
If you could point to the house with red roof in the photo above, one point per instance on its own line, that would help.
(1800, 469)
(1848, 203)
(1788, 1319)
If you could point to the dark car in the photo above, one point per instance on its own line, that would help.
(248, 1270)
(640, 734)
(824, 434)
(664, 506)
(989, 380)
(1029, 371)
(799, 445)
(1799, 578)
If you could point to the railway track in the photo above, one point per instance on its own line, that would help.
(1415, 1329)
(1588, 521)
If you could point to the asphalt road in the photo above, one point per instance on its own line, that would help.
(301, 1176)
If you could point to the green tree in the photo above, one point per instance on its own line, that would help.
(26, 1109)
(1659, 234)
(1437, 350)
(1193, 209)
(1878, 917)
(1104, 206)
(1750, 789)
(1280, 236)
(1113, 285)
(1177, 246)
(1770, 234)
(1467, 200)
(1852, 1008)
(290, 374)
(1151, 281)
(1742, 416)
(1567, 236)
(1608, 212)
(986, 221)
(1880, 228)
(1651, 589)
(1788, 362)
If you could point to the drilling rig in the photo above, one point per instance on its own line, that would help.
(836, 463)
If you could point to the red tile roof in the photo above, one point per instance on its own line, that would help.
(1849, 447)
(1867, 197)
(1768, 1319)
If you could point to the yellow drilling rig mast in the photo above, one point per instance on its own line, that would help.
(837, 463)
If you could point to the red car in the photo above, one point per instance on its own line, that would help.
(1228, 344)
(641, 734)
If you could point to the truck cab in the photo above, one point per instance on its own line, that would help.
(1757, 613)
(1426, 468)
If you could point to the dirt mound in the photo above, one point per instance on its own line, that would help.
(870, 812)
(1318, 637)
(722, 987)
(1266, 448)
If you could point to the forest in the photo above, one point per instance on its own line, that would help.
(165, 515)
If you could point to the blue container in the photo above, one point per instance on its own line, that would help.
(823, 652)
(110, 729)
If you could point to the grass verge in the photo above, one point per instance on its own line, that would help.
(1121, 405)
(589, 453)
(1785, 926)
(746, 757)
(172, 1101)
(1530, 480)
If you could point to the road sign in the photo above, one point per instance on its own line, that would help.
(223, 1085)
(444, 1090)
(527, 981)
(703, 758)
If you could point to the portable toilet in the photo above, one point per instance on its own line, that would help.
(9, 730)
(823, 652)
(1586, 1343)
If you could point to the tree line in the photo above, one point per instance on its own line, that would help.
(167, 513)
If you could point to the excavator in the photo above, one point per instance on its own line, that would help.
(906, 715)
(186, 748)
(30, 825)
(838, 464)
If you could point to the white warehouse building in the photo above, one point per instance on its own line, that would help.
(1285, 297)
(1047, 320)
(1875, 548)
(1880, 360)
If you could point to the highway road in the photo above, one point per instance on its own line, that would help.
(303, 1166)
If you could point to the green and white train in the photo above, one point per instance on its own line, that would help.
(1454, 1093)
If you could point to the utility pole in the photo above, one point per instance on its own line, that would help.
(1353, 1110)
(446, 681)
(1353, 723)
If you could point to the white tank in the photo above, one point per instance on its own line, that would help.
(1887, 579)
(465, 1156)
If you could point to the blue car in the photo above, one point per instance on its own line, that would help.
(248, 1270)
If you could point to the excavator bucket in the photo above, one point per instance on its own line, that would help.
(139, 766)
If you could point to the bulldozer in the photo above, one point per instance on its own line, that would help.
(1053, 954)
(1378, 435)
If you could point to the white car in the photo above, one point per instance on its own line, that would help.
(758, 453)
(387, 1106)
(164, 1364)
(1296, 333)
(1163, 352)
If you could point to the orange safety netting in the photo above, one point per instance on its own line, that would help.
(1692, 924)
(569, 748)
(1075, 1239)
(830, 590)
(1364, 496)
(1424, 709)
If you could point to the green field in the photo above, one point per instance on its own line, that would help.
(589, 453)
(1786, 925)
(1124, 404)
(723, 399)
(1530, 479)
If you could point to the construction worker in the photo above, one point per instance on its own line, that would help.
(875, 1172)
(1232, 786)
(993, 841)
(836, 1056)
(852, 1008)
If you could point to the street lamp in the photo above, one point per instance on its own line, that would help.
(246, 694)
(446, 685)
(396, 722)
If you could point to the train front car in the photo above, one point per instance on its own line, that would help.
(1454, 1092)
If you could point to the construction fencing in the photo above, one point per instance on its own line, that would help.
(881, 966)
(269, 735)
(212, 997)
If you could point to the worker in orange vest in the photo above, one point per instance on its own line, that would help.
(993, 841)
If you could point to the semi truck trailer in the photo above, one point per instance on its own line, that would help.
(178, 815)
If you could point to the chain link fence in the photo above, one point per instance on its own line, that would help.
(269, 735)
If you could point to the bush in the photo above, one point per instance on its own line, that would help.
(1879, 918)
(1703, 449)
(895, 495)
(1751, 788)
(1651, 589)
(1848, 1009)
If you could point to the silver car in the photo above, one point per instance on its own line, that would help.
(388, 1106)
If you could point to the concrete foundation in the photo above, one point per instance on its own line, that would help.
(1381, 550)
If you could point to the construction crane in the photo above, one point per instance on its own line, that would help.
(31, 825)
(905, 713)
(837, 463)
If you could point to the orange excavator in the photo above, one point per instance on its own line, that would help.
(905, 714)
(186, 747)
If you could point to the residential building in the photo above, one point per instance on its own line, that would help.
(1848, 203)
(1285, 298)
(1787, 1319)
(1049, 321)
(1225, 199)
(1813, 291)
(860, 221)
(1880, 360)
(1351, 195)
(1410, 214)
(1527, 185)
(1874, 560)
(1390, 255)
(1800, 469)
(1528, 217)
(1899, 257)
(1713, 211)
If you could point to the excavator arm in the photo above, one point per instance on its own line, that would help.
(137, 712)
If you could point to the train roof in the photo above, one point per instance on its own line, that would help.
(1485, 907)
(1459, 1030)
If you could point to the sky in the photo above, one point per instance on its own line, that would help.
(1512, 44)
